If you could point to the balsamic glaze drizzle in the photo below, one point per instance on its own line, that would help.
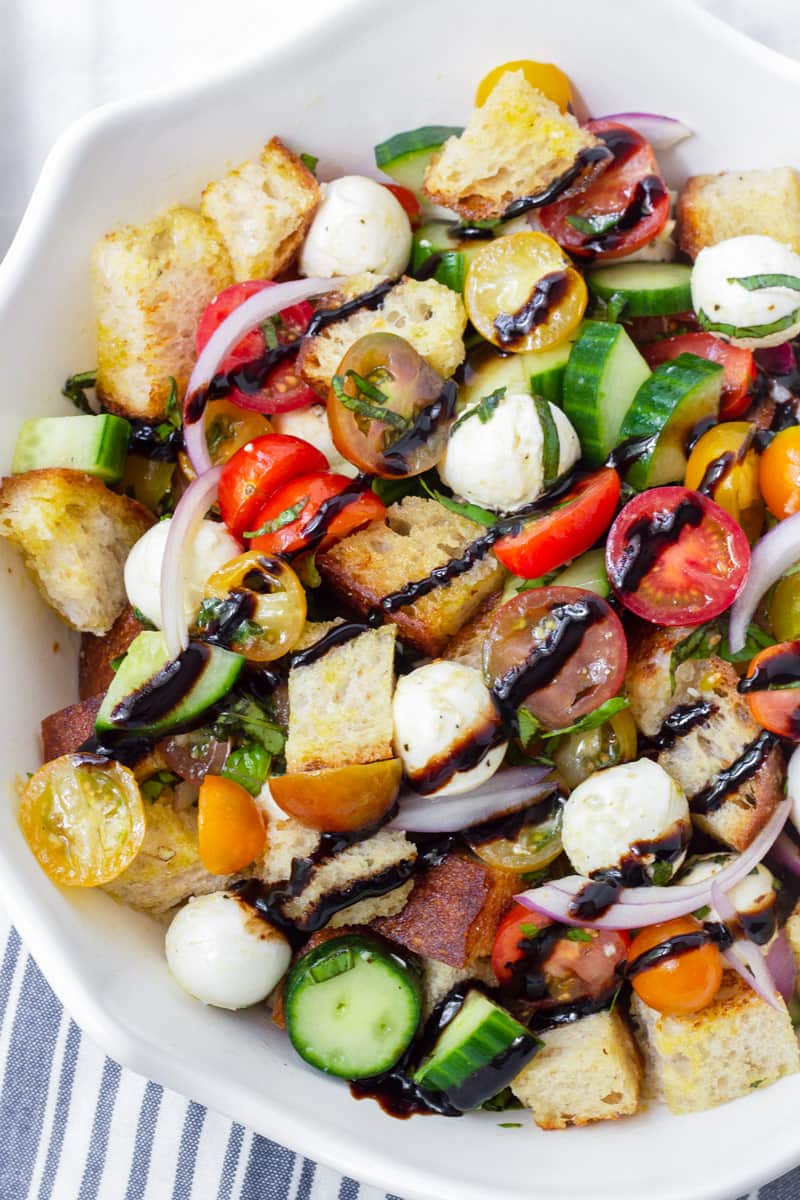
(149, 441)
(162, 692)
(780, 670)
(334, 637)
(470, 233)
(681, 720)
(648, 538)
(647, 193)
(315, 529)
(630, 451)
(395, 459)
(681, 943)
(546, 293)
(590, 156)
(732, 777)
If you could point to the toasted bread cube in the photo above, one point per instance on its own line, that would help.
(696, 758)
(167, 870)
(467, 645)
(792, 930)
(439, 979)
(418, 536)
(700, 1060)
(340, 707)
(427, 314)
(586, 1071)
(150, 284)
(453, 911)
(516, 144)
(715, 207)
(98, 654)
(262, 210)
(65, 731)
(74, 535)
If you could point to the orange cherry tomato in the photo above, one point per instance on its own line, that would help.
(339, 799)
(724, 466)
(230, 828)
(771, 688)
(779, 473)
(545, 77)
(682, 983)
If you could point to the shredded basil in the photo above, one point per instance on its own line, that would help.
(248, 766)
(309, 161)
(500, 1103)
(712, 638)
(172, 414)
(754, 283)
(218, 431)
(76, 387)
(747, 331)
(592, 719)
(551, 446)
(371, 407)
(595, 224)
(578, 935)
(702, 913)
(214, 611)
(285, 518)
(483, 410)
(473, 512)
(662, 873)
(270, 328)
(527, 725)
(245, 718)
(144, 621)
(156, 784)
(117, 662)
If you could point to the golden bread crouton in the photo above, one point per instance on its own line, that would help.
(167, 870)
(340, 707)
(262, 210)
(792, 930)
(150, 285)
(720, 737)
(417, 536)
(467, 645)
(453, 911)
(702, 1059)
(712, 208)
(427, 314)
(74, 535)
(438, 979)
(95, 670)
(586, 1071)
(65, 731)
(516, 144)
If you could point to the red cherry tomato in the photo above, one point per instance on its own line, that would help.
(549, 541)
(284, 389)
(739, 366)
(257, 470)
(771, 687)
(675, 557)
(409, 201)
(307, 494)
(622, 210)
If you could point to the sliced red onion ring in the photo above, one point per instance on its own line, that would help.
(504, 793)
(637, 907)
(228, 335)
(660, 131)
(772, 555)
(747, 960)
(722, 904)
(777, 360)
(189, 512)
(787, 854)
(782, 965)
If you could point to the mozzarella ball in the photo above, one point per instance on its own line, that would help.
(754, 897)
(498, 463)
(222, 953)
(613, 810)
(729, 303)
(211, 547)
(440, 710)
(359, 226)
(311, 424)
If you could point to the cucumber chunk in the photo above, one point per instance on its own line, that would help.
(352, 1006)
(479, 1051)
(453, 254)
(647, 289)
(668, 407)
(97, 445)
(538, 372)
(588, 572)
(152, 693)
(405, 156)
(603, 374)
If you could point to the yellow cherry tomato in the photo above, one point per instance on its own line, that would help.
(83, 818)
(228, 428)
(523, 293)
(578, 755)
(546, 77)
(534, 845)
(784, 608)
(731, 477)
(779, 473)
(230, 827)
(257, 603)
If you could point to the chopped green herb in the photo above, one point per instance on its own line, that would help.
(309, 161)
(472, 512)
(76, 387)
(614, 999)
(747, 331)
(285, 518)
(592, 719)
(551, 445)
(509, 1125)
(306, 568)
(534, 878)
(144, 621)
(661, 873)
(218, 431)
(756, 1083)
(528, 930)
(117, 662)
(248, 766)
(596, 223)
(702, 913)
(754, 283)
(483, 410)
(503, 1101)
(578, 935)
(247, 719)
(392, 490)
(270, 328)
(172, 414)
(527, 725)
(713, 639)
(371, 407)
(156, 784)
(215, 612)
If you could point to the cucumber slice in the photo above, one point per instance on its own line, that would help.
(352, 1006)
(677, 397)
(152, 693)
(603, 374)
(453, 254)
(648, 289)
(540, 373)
(97, 445)
(479, 1051)
(588, 572)
(405, 156)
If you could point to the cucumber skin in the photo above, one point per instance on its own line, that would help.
(644, 300)
(413, 141)
(105, 435)
(590, 391)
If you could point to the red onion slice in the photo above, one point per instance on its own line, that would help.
(787, 854)
(660, 131)
(777, 360)
(782, 965)
(189, 512)
(747, 960)
(772, 555)
(227, 336)
(504, 793)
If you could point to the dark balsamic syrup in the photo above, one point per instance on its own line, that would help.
(732, 777)
(548, 291)
(590, 156)
(646, 195)
(470, 233)
(460, 757)
(338, 636)
(149, 441)
(648, 538)
(315, 529)
(443, 408)
(779, 670)
(508, 826)
(681, 720)
(163, 692)
(681, 943)
(630, 451)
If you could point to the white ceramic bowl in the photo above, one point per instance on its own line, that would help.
(376, 68)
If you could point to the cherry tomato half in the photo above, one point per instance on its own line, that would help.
(560, 652)
(228, 428)
(339, 799)
(409, 202)
(572, 527)
(255, 605)
(536, 844)
(779, 473)
(304, 497)
(83, 819)
(724, 466)
(622, 210)
(230, 827)
(523, 293)
(675, 557)
(285, 389)
(578, 755)
(381, 391)
(771, 687)
(547, 78)
(257, 470)
(682, 983)
(738, 365)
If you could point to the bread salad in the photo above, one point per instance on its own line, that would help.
(434, 543)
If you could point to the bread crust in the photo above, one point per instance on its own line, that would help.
(97, 654)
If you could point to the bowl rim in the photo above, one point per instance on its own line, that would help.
(42, 937)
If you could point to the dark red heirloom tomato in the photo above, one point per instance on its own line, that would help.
(675, 557)
(739, 368)
(622, 210)
(772, 685)
(257, 470)
(290, 515)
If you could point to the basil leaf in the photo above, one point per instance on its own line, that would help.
(662, 873)
(712, 638)
(248, 766)
(500, 1103)
(270, 328)
(754, 283)
(755, 639)
(156, 784)
(285, 518)
(366, 408)
(218, 431)
(527, 725)
(551, 446)
(592, 719)
(76, 387)
(596, 223)
(578, 935)
(473, 512)
(483, 410)
(247, 719)
(144, 621)
(309, 161)
(529, 931)
(747, 331)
